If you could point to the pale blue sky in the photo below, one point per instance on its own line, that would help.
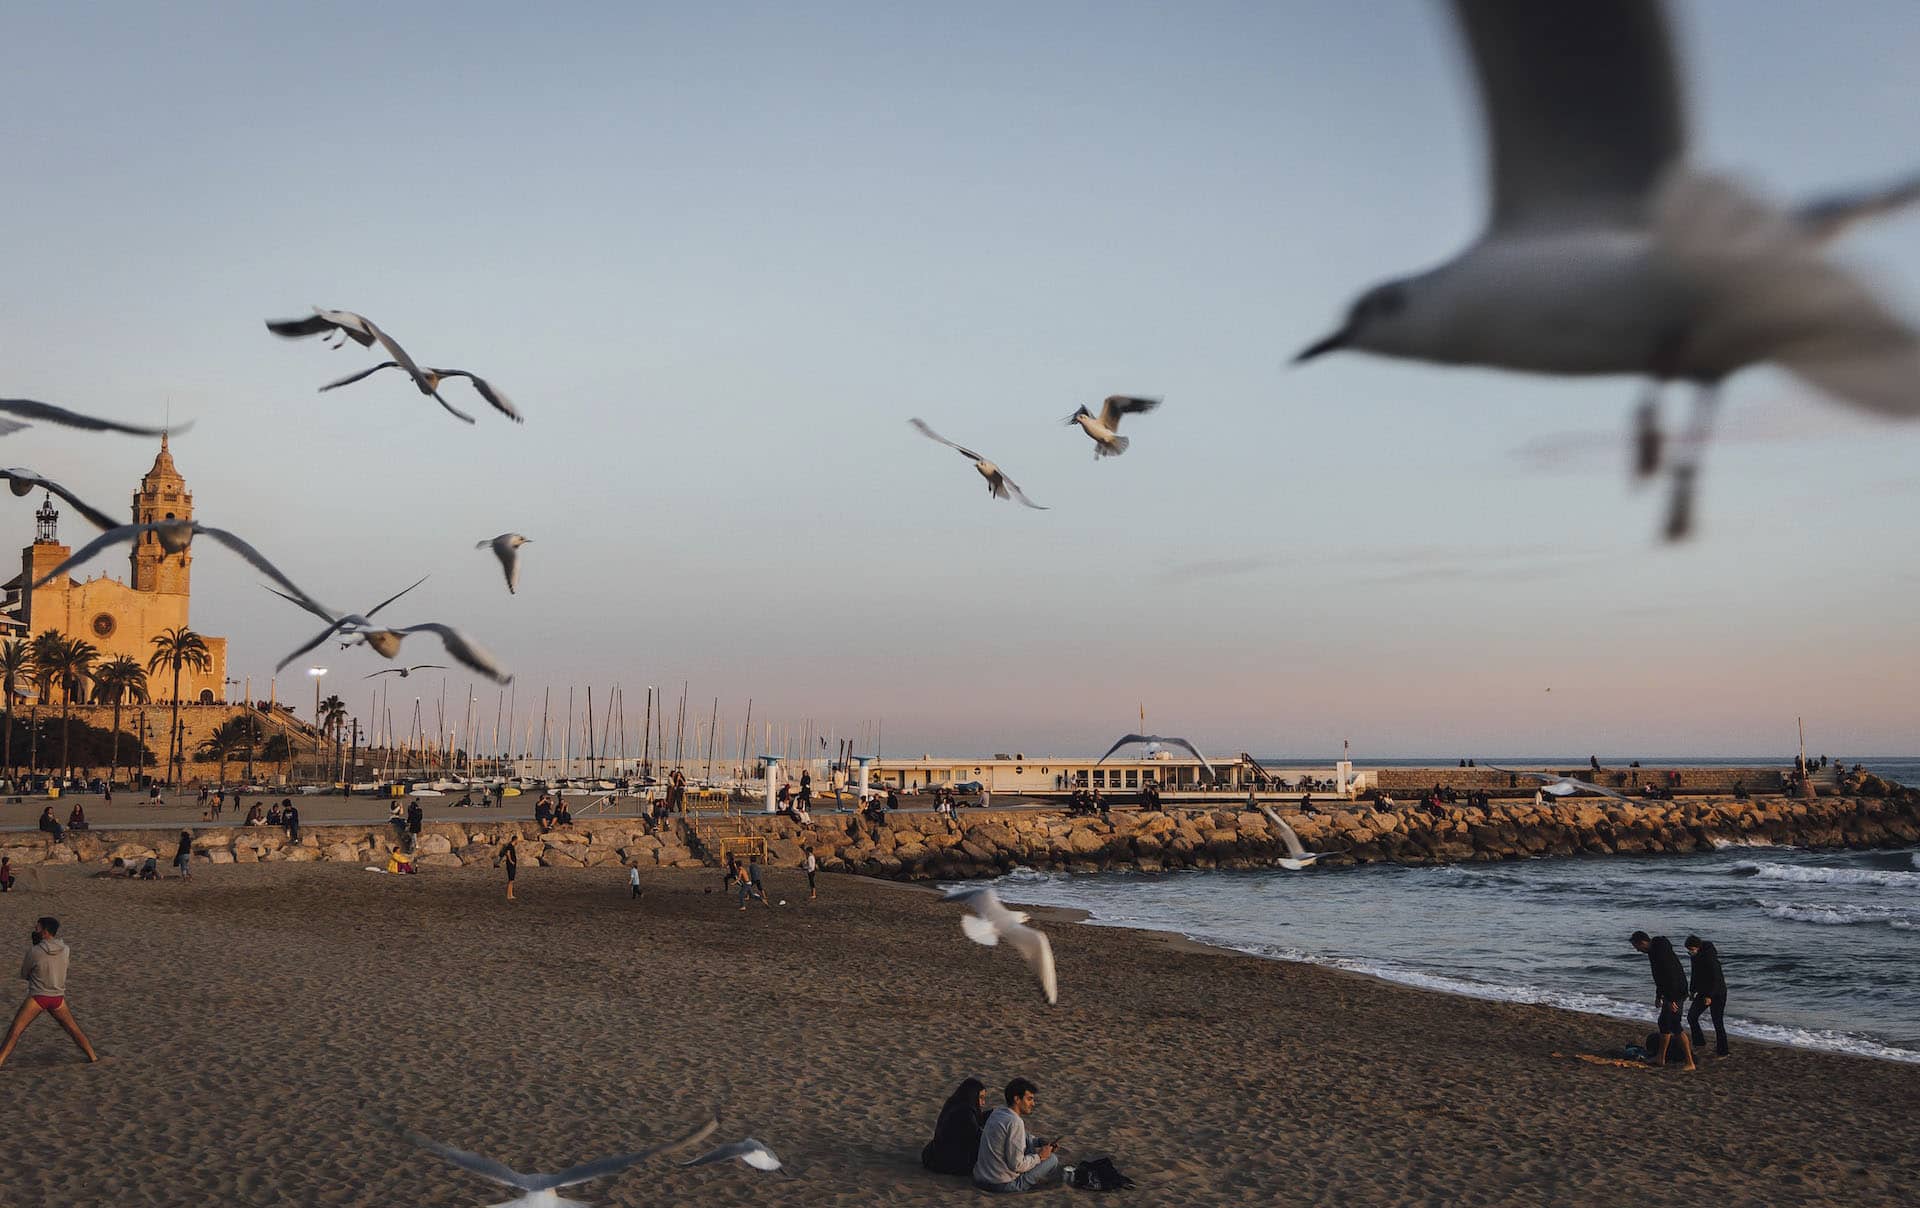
(719, 254)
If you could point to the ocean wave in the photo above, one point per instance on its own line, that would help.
(1817, 875)
(1839, 915)
(1724, 844)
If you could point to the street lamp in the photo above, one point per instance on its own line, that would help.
(316, 673)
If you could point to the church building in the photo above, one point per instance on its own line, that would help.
(121, 617)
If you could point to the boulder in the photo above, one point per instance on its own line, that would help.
(439, 860)
(219, 855)
(297, 855)
(433, 845)
(342, 853)
(556, 856)
(60, 854)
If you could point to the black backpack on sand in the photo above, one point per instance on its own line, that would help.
(1100, 1174)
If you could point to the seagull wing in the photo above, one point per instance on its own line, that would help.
(396, 595)
(1117, 405)
(318, 610)
(474, 1163)
(750, 1151)
(30, 409)
(1013, 488)
(95, 516)
(293, 329)
(371, 674)
(253, 556)
(613, 1165)
(1582, 105)
(407, 363)
(326, 633)
(461, 649)
(1591, 787)
(1830, 217)
(498, 401)
(920, 426)
(1033, 946)
(1124, 740)
(1287, 836)
(1181, 742)
(351, 378)
(113, 536)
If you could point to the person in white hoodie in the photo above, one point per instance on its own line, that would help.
(45, 972)
(1008, 1159)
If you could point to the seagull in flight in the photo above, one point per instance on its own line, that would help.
(998, 484)
(1155, 739)
(1605, 252)
(1297, 857)
(543, 1190)
(1557, 785)
(1105, 427)
(992, 922)
(25, 482)
(174, 536)
(506, 547)
(336, 622)
(404, 672)
(386, 643)
(28, 409)
(498, 401)
(339, 326)
(753, 1153)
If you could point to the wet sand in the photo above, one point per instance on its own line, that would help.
(265, 1025)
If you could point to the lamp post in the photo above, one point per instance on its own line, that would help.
(316, 673)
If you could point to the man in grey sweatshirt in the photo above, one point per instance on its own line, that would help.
(45, 972)
(1008, 1160)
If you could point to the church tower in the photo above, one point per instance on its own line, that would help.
(163, 495)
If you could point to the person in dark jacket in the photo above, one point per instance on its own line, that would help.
(1669, 990)
(956, 1136)
(1709, 994)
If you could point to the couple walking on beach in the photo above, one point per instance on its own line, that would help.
(1671, 987)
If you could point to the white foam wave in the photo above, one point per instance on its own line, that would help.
(1815, 875)
(1904, 925)
(1724, 844)
(1839, 915)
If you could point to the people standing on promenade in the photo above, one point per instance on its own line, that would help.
(1670, 990)
(510, 856)
(45, 972)
(1009, 1160)
(1709, 984)
(183, 856)
(811, 864)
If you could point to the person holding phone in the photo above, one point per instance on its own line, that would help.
(1009, 1160)
(45, 972)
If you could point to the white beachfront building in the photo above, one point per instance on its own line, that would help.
(1170, 772)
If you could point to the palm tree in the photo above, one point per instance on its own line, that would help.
(333, 716)
(236, 731)
(72, 664)
(279, 749)
(46, 656)
(16, 669)
(177, 648)
(118, 680)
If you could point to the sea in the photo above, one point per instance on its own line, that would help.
(1821, 948)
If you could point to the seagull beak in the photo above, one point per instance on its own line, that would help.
(1332, 343)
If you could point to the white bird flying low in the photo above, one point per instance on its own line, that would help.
(543, 1190)
(344, 325)
(1155, 739)
(337, 622)
(1297, 857)
(173, 536)
(998, 484)
(1104, 429)
(404, 672)
(25, 482)
(992, 922)
(753, 1153)
(1564, 786)
(498, 401)
(1605, 253)
(28, 409)
(506, 547)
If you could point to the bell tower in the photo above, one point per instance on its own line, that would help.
(163, 495)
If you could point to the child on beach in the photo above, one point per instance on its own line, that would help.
(510, 856)
(45, 972)
(633, 881)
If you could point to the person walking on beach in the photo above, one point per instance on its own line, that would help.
(1669, 990)
(45, 972)
(811, 864)
(1009, 1160)
(753, 879)
(183, 856)
(633, 881)
(1709, 995)
(510, 856)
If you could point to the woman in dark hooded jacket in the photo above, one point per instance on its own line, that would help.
(956, 1137)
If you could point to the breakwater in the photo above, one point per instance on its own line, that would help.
(920, 846)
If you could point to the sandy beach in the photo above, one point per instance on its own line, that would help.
(262, 1026)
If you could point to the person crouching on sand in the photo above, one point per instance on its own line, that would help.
(1669, 990)
(45, 972)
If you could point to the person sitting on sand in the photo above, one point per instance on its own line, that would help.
(45, 972)
(1670, 990)
(956, 1135)
(1009, 1160)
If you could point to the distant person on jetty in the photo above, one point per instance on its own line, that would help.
(183, 856)
(1009, 1160)
(510, 856)
(1670, 991)
(956, 1134)
(45, 972)
(1709, 995)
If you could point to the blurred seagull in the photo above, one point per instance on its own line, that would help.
(753, 1153)
(506, 547)
(343, 325)
(1105, 428)
(434, 377)
(174, 536)
(404, 672)
(23, 482)
(1297, 857)
(336, 622)
(543, 1190)
(998, 484)
(1562, 786)
(28, 409)
(1605, 253)
(1155, 739)
(386, 643)
(991, 922)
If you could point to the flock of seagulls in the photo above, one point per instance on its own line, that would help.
(1102, 429)
(340, 326)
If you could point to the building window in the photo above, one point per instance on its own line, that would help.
(206, 696)
(103, 625)
(1133, 778)
(1099, 778)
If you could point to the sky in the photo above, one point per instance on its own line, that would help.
(718, 255)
